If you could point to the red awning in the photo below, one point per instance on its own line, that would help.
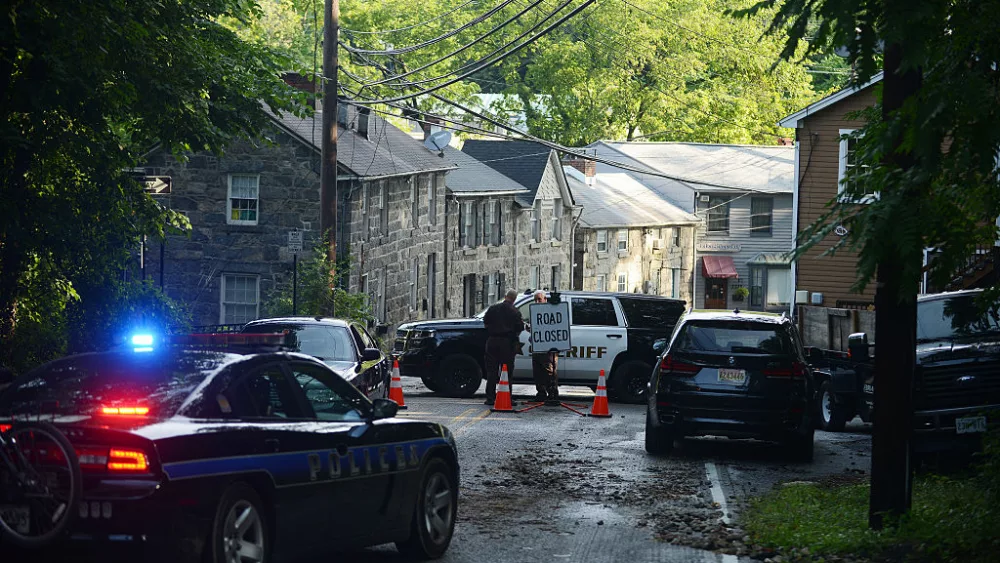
(718, 267)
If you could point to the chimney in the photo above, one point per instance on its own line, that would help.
(299, 82)
(363, 119)
(430, 125)
(785, 141)
(342, 113)
(587, 167)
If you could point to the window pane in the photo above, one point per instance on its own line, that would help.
(622, 283)
(593, 312)
(779, 286)
(761, 209)
(651, 313)
(265, 394)
(733, 337)
(329, 400)
(718, 213)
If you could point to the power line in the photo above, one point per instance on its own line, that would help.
(517, 48)
(451, 33)
(409, 27)
(461, 49)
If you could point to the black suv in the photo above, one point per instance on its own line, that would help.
(733, 374)
(614, 332)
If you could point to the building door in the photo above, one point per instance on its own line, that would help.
(716, 293)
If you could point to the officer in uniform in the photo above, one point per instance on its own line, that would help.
(503, 325)
(543, 368)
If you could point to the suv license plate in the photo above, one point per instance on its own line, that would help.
(729, 375)
(970, 425)
(17, 517)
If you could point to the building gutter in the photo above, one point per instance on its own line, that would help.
(515, 219)
(795, 221)
(444, 265)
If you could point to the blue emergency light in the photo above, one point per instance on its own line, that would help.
(142, 342)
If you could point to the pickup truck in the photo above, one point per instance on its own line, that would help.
(956, 393)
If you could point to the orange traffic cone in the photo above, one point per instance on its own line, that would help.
(503, 402)
(396, 386)
(600, 407)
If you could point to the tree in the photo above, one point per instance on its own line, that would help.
(933, 142)
(89, 86)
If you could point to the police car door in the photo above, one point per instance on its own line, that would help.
(275, 416)
(598, 335)
(360, 484)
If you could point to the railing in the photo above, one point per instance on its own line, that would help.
(980, 264)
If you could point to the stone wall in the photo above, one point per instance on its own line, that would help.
(641, 263)
(382, 260)
(288, 199)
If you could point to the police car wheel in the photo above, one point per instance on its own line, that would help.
(459, 376)
(629, 380)
(239, 532)
(433, 523)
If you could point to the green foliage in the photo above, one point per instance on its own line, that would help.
(320, 291)
(951, 520)
(936, 172)
(90, 86)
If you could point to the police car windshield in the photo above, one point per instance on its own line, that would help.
(323, 342)
(732, 337)
(84, 385)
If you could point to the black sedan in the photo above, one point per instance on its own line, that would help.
(345, 347)
(241, 454)
(732, 374)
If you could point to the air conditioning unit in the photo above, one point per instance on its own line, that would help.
(704, 199)
(657, 244)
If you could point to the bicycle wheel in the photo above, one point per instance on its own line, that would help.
(40, 484)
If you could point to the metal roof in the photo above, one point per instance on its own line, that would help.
(385, 151)
(770, 259)
(708, 167)
(619, 200)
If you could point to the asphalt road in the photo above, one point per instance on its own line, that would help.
(550, 485)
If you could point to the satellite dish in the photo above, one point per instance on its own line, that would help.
(438, 140)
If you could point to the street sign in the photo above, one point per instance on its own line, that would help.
(159, 185)
(295, 241)
(549, 327)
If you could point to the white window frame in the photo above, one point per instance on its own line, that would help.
(469, 224)
(536, 221)
(622, 283)
(491, 218)
(533, 277)
(842, 167)
(602, 234)
(229, 200)
(602, 283)
(557, 211)
(222, 296)
(622, 238)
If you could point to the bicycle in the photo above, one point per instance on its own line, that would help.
(40, 484)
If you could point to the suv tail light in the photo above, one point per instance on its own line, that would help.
(796, 372)
(4, 428)
(671, 366)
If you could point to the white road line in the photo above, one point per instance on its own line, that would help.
(717, 496)
(711, 557)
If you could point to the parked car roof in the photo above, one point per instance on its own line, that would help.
(736, 315)
(302, 320)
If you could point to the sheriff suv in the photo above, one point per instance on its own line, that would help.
(614, 332)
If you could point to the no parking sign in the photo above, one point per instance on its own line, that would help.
(549, 327)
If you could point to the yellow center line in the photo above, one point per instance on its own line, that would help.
(472, 421)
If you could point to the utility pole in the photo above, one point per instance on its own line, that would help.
(328, 175)
(895, 313)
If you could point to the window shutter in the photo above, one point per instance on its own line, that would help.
(500, 232)
(462, 235)
(476, 225)
(485, 295)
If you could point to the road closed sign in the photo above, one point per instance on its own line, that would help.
(549, 327)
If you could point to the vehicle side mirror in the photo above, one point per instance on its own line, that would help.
(857, 347)
(384, 408)
(813, 355)
(659, 345)
(371, 355)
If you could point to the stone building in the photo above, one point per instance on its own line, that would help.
(629, 239)
(243, 205)
(536, 251)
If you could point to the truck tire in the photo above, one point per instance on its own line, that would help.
(831, 415)
(659, 441)
(430, 384)
(628, 382)
(459, 376)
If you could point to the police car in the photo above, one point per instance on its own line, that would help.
(614, 332)
(228, 448)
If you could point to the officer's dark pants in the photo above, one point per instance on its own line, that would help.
(543, 368)
(499, 352)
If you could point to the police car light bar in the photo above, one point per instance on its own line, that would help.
(230, 340)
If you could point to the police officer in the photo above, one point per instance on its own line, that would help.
(503, 325)
(543, 368)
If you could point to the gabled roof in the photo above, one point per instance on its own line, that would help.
(385, 152)
(714, 167)
(521, 161)
(793, 120)
(618, 200)
(475, 177)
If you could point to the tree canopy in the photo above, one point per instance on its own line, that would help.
(89, 87)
